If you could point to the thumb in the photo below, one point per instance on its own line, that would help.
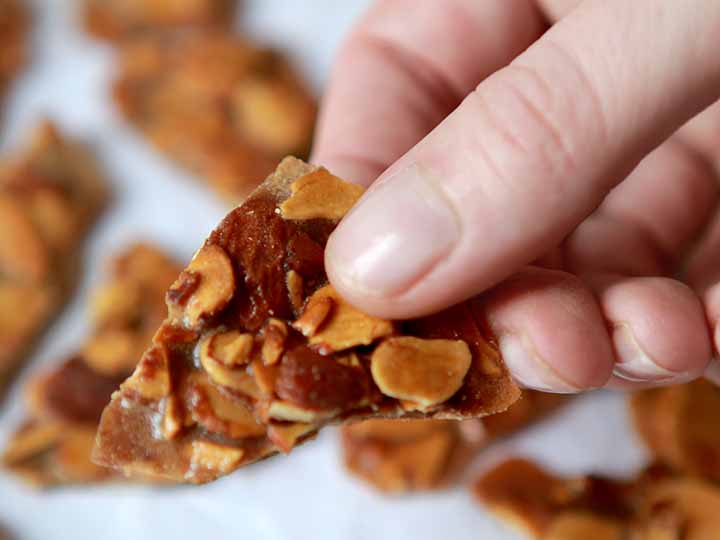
(526, 156)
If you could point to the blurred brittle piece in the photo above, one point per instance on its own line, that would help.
(14, 22)
(681, 426)
(49, 196)
(117, 20)
(216, 103)
(253, 319)
(657, 505)
(398, 456)
(65, 402)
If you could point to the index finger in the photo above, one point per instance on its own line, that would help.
(404, 68)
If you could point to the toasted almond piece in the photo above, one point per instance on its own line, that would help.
(285, 411)
(23, 256)
(341, 327)
(151, 378)
(295, 286)
(286, 436)
(315, 313)
(55, 218)
(33, 302)
(32, 440)
(274, 115)
(320, 195)
(229, 348)
(274, 335)
(204, 287)
(265, 376)
(575, 525)
(427, 371)
(112, 351)
(215, 457)
(235, 378)
(172, 421)
(217, 413)
(116, 303)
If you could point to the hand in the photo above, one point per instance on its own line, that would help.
(553, 168)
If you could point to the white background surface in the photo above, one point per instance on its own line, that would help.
(305, 495)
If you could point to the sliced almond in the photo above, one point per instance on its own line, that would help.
(172, 422)
(217, 413)
(23, 256)
(112, 352)
(314, 315)
(295, 286)
(274, 336)
(320, 195)
(215, 457)
(286, 436)
(341, 325)
(229, 348)
(204, 288)
(427, 371)
(151, 378)
(116, 303)
(30, 441)
(285, 411)
(237, 379)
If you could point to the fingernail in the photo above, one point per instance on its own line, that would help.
(634, 363)
(528, 368)
(396, 234)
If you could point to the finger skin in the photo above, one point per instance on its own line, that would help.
(403, 69)
(550, 330)
(657, 327)
(527, 156)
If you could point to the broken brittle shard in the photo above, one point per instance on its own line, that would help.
(221, 106)
(50, 194)
(656, 505)
(681, 426)
(259, 352)
(397, 456)
(117, 20)
(53, 446)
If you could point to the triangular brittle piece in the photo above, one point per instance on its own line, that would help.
(253, 320)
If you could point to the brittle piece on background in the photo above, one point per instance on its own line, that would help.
(400, 456)
(218, 104)
(254, 318)
(65, 401)
(49, 196)
(654, 506)
(121, 19)
(14, 22)
(681, 426)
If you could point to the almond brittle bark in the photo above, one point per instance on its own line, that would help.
(49, 196)
(53, 446)
(654, 506)
(14, 21)
(399, 456)
(681, 426)
(253, 319)
(122, 19)
(219, 105)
